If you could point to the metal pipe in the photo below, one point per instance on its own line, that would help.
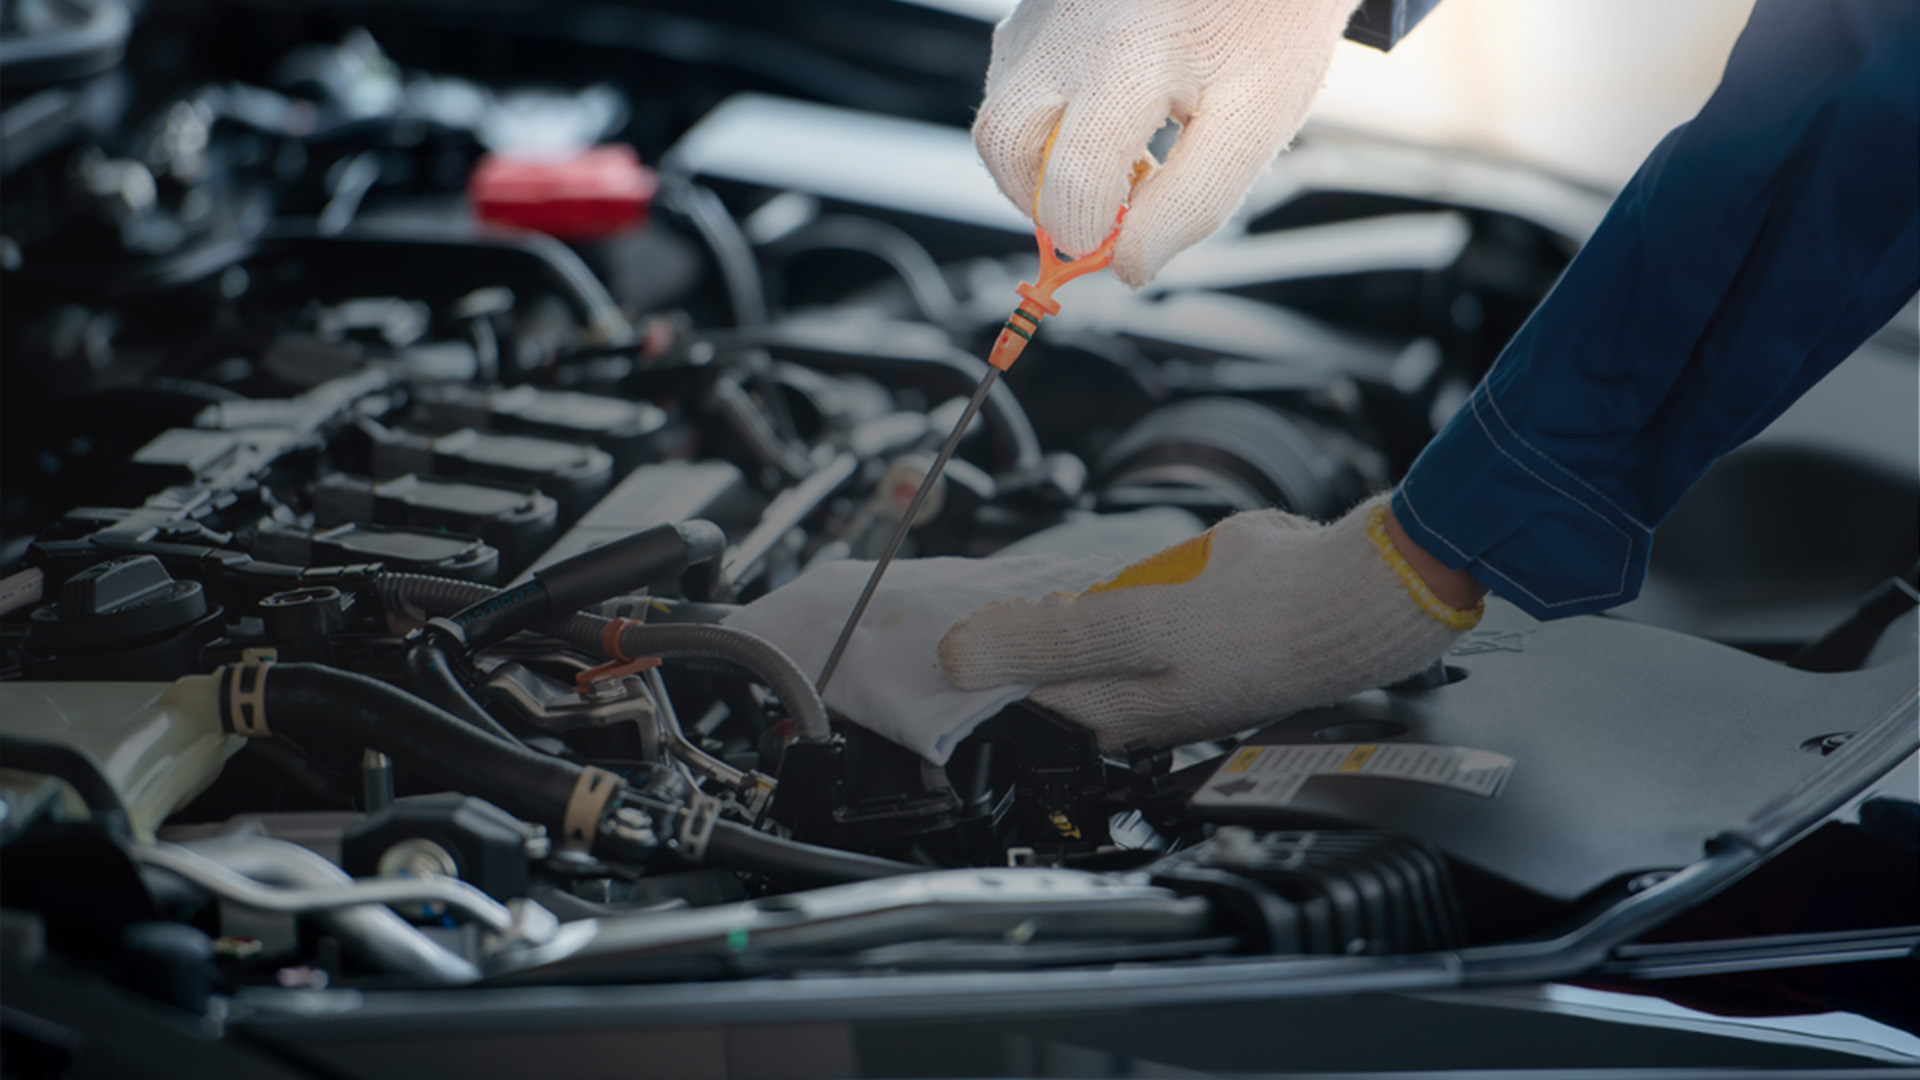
(906, 524)
(684, 748)
(371, 930)
(303, 899)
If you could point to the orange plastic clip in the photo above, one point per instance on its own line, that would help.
(1037, 300)
(621, 665)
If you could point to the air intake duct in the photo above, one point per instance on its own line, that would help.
(1329, 892)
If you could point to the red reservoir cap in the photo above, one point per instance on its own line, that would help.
(582, 196)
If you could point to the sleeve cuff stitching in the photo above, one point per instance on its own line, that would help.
(1625, 560)
(1549, 459)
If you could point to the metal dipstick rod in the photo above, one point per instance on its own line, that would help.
(1036, 303)
(900, 531)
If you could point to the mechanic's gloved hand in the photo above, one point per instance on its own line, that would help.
(890, 680)
(1262, 616)
(1237, 74)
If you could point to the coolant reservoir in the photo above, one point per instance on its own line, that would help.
(160, 744)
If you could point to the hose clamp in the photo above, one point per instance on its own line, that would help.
(246, 698)
(453, 630)
(621, 665)
(696, 828)
(610, 638)
(592, 791)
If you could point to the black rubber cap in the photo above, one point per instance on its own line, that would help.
(630, 563)
(704, 540)
(118, 601)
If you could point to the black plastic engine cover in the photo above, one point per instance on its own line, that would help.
(575, 476)
(518, 522)
(413, 549)
(632, 431)
(1630, 747)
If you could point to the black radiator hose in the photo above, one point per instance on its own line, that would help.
(672, 641)
(326, 711)
(430, 673)
(737, 847)
(333, 714)
(422, 596)
(615, 568)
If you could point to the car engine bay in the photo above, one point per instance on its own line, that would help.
(367, 553)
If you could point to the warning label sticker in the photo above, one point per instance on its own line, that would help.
(1273, 775)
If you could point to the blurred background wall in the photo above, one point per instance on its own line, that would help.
(1585, 87)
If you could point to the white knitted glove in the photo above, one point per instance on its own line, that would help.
(1238, 75)
(1262, 616)
(890, 680)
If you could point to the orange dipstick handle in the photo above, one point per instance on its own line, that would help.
(1037, 300)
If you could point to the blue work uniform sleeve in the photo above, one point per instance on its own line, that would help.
(1755, 249)
(1382, 23)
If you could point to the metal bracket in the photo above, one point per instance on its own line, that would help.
(703, 813)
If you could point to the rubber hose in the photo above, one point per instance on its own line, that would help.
(737, 847)
(758, 655)
(324, 710)
(315, 706)
(926, 285)
(425, 596)
(731, 250)
(955, 371)
(430, 673)
(618, 567)
(501, 614)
